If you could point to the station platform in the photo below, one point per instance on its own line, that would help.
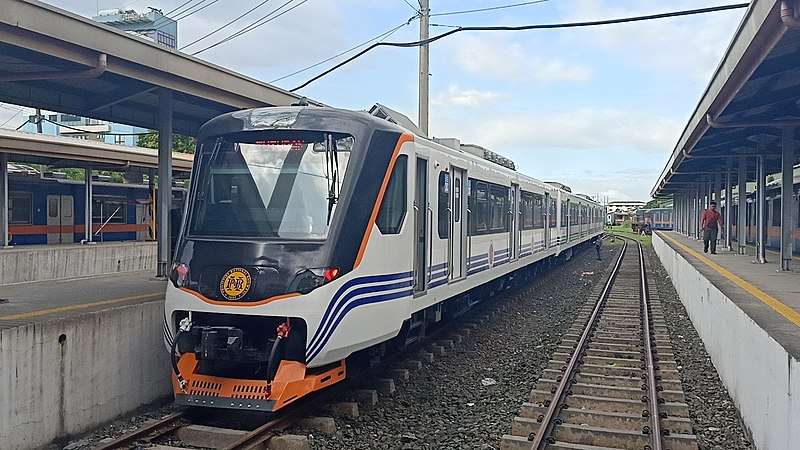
(748, 315)
(76, 353)
(27, 303)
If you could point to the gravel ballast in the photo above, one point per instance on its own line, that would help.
(467, 398)
(715, 420)
(446, 405)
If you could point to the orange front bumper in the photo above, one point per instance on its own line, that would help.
(292, 381)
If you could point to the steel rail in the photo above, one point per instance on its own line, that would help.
(548, 423)
(145, 431)
(648, 332)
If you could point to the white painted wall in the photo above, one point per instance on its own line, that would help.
(51, 262)
(110, 363)
(760, 375)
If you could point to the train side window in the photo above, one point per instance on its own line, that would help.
(776, 212)
(52, 207)
(109, 209)
(564, 213)
(538, 211)
(498, 211)
(20, 208)
(394, 205)
(480, 210)
(444, 205)
(527, 210)
(457, 200)
(553, 223)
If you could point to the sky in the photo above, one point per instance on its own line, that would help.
(599, 109)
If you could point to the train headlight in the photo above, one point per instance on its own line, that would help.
(307, 280)
(179, 275)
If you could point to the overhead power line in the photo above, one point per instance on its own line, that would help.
(493, 8)
(226, 25)
(383, 35)
(262, 21)
(524, 28)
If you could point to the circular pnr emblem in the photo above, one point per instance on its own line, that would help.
(235, 283)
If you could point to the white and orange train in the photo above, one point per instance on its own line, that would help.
(316, 235)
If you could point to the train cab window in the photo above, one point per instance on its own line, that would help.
(270, 184)
(538, 211)
(20, 208)
(478, 207)
(444, 205)
(497, 208)
(552, 210)
(394, 205)
(109, 209)
(527, 210)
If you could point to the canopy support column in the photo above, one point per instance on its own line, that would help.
(4, 199)
(87, 210)
(728, 204)
(761, 185)
(741, 221)
(788, 212)
(164, 179)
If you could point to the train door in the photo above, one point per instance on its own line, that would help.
(60, 219)
(458, 235)
(514, 229)
(421, 226)
(546, 212)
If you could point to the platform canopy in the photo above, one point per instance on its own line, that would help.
(58, 61)
(57, 151)
(753, 95)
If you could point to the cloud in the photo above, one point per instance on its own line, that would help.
(457, 97)
(691, 45)
(12, 116)
(495, 57)
(584, 129)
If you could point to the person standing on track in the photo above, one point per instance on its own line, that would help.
(710, 222)
(598, 245)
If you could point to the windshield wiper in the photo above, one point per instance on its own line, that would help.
(332, 174)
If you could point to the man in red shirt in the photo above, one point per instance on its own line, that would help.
(709, 222)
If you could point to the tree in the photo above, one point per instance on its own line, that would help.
(659, 203)
(180, 143)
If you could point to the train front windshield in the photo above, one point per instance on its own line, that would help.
(262, 185)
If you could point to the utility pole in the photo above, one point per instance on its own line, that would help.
(424, 64)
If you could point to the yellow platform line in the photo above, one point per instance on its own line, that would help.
(112, 301)
(765, 298)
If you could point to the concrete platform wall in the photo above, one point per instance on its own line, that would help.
(50, 262)
(68, 375)
(761, 376)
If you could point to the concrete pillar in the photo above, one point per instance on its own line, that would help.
(4, 199)
(164, 179)
(87, 210)
(788, 204)
(761, 208)
(741, 220)
(728, 205)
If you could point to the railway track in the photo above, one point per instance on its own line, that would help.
(613, 382)
(255, 439)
